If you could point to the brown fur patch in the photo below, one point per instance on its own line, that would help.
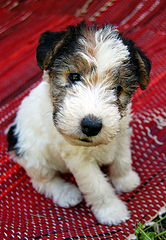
(57, 93)
(144, 77)
(89, 36)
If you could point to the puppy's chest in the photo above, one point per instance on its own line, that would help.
(62, 152)
(103, 154)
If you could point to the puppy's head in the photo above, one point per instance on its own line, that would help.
(93, 73)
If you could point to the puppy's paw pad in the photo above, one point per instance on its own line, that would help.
(113, 213)
(127, 183)
(69, 196)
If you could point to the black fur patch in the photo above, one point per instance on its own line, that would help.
(46, 53)
(12, 139)
(133, 49)
(45, 50)
(134, 61)
(70, 41)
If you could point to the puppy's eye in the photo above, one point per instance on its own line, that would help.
(118, 90)
(74, 77)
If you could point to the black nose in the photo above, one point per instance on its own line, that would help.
(91, 126)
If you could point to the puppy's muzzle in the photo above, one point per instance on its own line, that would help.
(91, 126)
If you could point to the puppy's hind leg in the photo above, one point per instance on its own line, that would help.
(48, 182)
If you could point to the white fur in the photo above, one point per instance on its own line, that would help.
(108, 49)
(83, 101)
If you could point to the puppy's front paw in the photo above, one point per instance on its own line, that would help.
(127, 183)
(113, 213)
(69, 196)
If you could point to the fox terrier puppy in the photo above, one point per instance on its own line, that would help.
(77, 118)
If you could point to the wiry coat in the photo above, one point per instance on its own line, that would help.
(77, 118)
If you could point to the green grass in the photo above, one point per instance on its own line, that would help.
(157, 231)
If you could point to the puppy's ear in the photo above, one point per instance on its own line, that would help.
(140, 61)
(49, 42)
(144, 67)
